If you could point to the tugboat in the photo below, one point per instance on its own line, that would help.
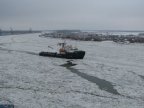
(66, 51)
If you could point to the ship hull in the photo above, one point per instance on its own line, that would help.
(67, 55)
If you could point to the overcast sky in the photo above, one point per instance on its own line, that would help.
(72, 14)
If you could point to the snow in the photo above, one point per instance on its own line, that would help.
(31, 81)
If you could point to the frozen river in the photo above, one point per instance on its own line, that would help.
(110, 76)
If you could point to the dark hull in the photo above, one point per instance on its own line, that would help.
(68, 55)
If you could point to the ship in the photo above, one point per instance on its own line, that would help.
(65, 51)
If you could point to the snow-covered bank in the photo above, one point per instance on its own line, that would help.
(30, 81)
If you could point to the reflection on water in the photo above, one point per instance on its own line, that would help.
(68, 64)
(102, 84)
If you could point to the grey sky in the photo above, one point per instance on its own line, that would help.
(72, 14)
